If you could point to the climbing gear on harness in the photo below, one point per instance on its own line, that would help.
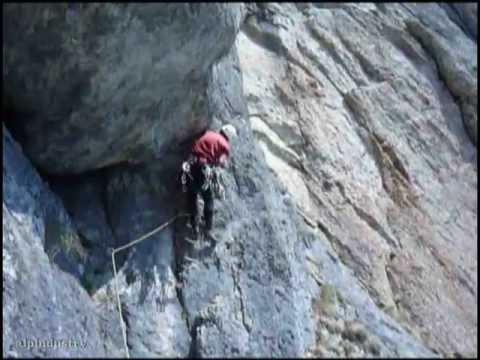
(213, 180)
(218, 182)
(207, 176)
(212, 177)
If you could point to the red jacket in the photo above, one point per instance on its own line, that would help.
(210, 147)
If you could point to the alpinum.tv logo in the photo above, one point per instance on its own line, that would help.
(51, 343)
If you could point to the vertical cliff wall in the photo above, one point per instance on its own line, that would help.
(367, 113)
(349, 224)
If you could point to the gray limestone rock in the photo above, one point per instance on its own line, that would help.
(46, 312)
(366, 114)
(349, 222)
(98, 84)
(468, 13)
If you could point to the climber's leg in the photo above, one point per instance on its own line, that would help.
(194, 188)
(208, 209)
(192, 210)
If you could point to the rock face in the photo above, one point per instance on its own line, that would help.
(468, 15)
(41, 303)
(372, 135)
(348, 227)
(86, 101)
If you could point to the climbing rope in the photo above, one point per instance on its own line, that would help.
(136, 241)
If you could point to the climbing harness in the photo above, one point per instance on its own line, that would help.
(136, 241)
(213, 178)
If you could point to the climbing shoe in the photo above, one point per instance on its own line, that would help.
(211, 239)
(193, 230)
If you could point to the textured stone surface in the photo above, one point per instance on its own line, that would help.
(349, 225)
(468, 13)
(153, 313)
(372, 136)
(211, 303)
(102, 83)
(454, 54)
(40, 301)
(248, 297)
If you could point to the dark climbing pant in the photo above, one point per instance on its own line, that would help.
(194, 189)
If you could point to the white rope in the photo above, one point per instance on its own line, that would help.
(136, 241)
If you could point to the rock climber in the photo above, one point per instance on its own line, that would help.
(200, 174)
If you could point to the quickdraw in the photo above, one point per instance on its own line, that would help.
(214, 181)
(218, 183)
